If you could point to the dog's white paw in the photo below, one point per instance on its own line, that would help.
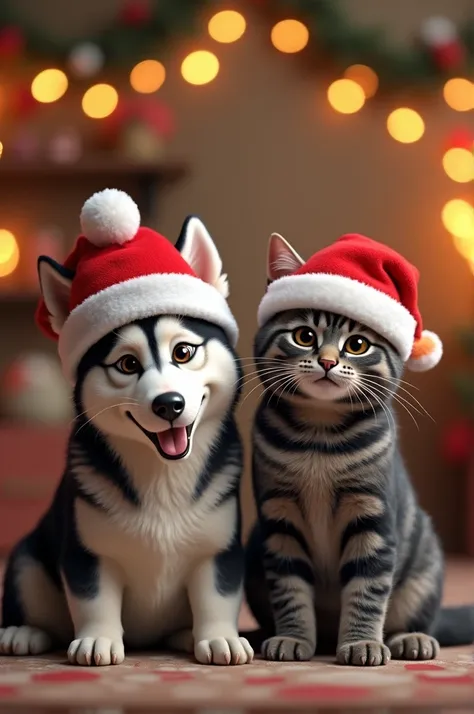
(24, 640)
(224, 650)
(96, 650)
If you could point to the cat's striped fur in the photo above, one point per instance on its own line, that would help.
(342, 556)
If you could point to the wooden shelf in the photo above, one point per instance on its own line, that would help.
(93, 166)
(100, 169)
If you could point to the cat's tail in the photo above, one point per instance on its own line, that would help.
(455, 626)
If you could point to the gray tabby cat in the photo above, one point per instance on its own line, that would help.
(342, 557)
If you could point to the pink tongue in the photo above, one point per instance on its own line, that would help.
(173, 441)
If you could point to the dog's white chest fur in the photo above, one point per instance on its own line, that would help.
(156, 545)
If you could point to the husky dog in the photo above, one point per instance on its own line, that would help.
(343, 558)
(141, 545)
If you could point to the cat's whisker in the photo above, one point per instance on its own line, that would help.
(394, 396)
(366, 390)
(399, 398)
(406, 391)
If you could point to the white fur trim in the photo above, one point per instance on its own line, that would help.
(422, 364)
(110, 216)
(164, 294)
(345, 296)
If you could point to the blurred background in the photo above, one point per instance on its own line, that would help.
(311, 118)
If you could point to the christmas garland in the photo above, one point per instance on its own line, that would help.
(143, 27)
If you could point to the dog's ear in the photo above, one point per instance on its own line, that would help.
(282, 259)
(199, 250)
(55, 283)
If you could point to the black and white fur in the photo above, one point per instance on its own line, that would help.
(342, 557)
(138, 549)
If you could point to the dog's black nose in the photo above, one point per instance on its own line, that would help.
(169, 405)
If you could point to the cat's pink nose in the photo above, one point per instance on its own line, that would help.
(327, 364)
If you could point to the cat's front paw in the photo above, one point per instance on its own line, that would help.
(224, 651)
(413, 645)
(287, 649)
(364, 653)
(87, 651)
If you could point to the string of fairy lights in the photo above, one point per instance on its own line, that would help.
(346, 95)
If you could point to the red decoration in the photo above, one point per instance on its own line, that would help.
(136, 12)
(462, 138)
(12, 42)
(23, 103)
(457, 442)
(449, 56)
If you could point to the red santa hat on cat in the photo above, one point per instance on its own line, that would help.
(361, 279)
(119, 272)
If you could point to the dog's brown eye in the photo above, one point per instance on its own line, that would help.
(356, 345)
(183, 353)
(128, 364)
(304, 336)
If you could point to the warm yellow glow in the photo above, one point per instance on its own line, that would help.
(465, 246)
(200, 67)
(365, 77)
(147, 76)
(405, 125)
(9, 253)
(49, 86)
(227, 26)
(458, 164)
(290, 36)
(99, 101)
(459, 94)
(458, 219)
(346, 96)
(1, 149)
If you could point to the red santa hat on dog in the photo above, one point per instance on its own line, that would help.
(361, 279)
(119, 272)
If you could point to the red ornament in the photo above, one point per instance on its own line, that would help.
(462, 138)
(24, 104)
(457, 442)
(12, 42)
(449, 56)
(136, 12)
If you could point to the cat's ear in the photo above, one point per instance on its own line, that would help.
(199, 250)
(282, 258)
(55, 283)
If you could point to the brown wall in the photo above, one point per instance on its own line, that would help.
(267, 154)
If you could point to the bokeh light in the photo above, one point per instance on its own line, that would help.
(99, 101)
(1, 149)
(465, 246)
(405, 125)
(459, 94)
(9, 253)
(49, 86)
(200, 67)
(147, 76)
(458, 219)
(459, 165)
(227, 26)
(289, 36)
(365, 77)
(346, 96)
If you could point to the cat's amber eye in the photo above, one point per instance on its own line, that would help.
(304, 336)
(356, 345)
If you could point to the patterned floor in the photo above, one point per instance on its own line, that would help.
(168, 684)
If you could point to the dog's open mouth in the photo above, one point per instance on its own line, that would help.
(172, 443)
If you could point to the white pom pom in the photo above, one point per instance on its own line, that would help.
(109, 217)
(438, 32)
